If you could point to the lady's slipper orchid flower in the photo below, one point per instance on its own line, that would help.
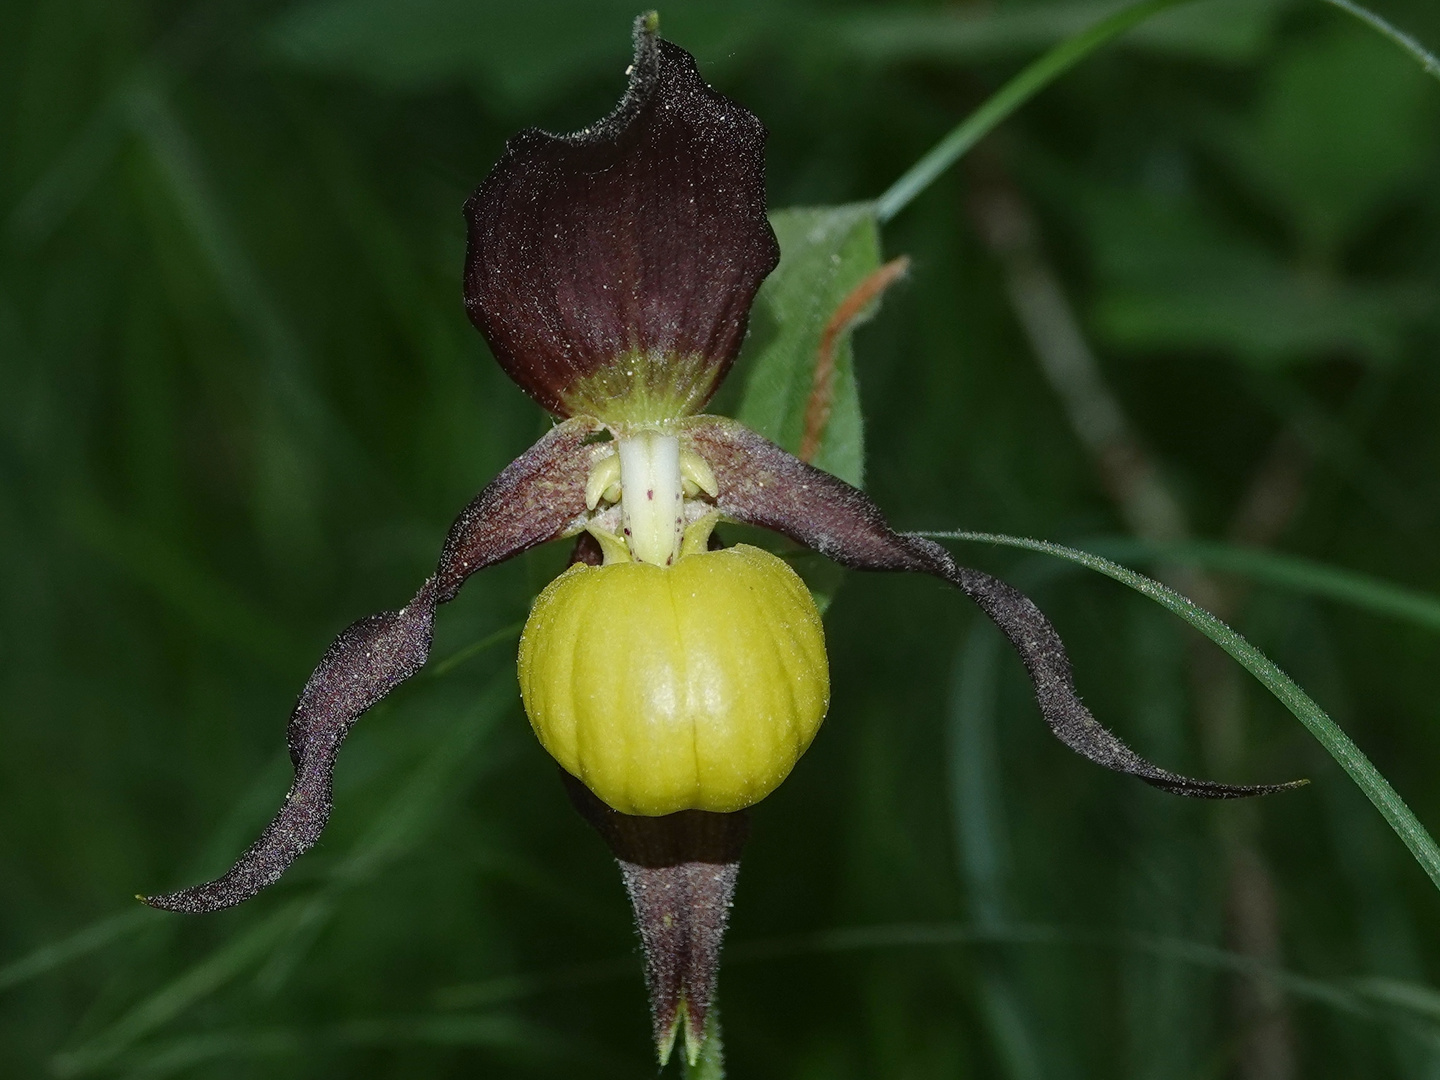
(612, 273)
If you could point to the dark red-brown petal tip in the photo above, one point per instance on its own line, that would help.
(540, 496)
(612, 270)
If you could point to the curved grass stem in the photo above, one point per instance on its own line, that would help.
(1007, 99)
(1060, 59)
(1423, 56)
(1349, 756)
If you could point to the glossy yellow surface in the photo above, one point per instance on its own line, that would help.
(695, 686)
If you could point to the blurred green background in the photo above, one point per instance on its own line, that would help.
(1189, 293)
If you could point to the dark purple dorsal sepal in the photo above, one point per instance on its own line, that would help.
(538, 497)
(612, 270)
(761, 484)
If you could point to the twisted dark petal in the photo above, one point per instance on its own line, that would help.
(538, 497)
(680, 872)
(623, 259)
(761, 484)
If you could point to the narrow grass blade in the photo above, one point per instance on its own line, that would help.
(1406, 825)
(486, 1031)
(207, 602)
(1412, 1006)
(57, 954)
(395, 829)
(494, 1029)
(71, 177)
(198, 982)
(978, 816)
(218, 236)
(421, 801)
(475, 648)
(1007, 99)
(1288, 571)
(977, 812)
(507, 989)
(1223, 31)
(176, 1057)
(1423, 56)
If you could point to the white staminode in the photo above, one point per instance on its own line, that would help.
(651, 496)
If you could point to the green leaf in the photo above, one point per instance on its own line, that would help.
(1172, 277)
(1376, 788)
(1340, 130)
(825, 252)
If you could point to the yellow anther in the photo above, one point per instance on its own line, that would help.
(604, 480)
(696, 474)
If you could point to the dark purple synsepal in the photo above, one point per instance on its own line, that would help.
(761, 484)
(680, 872)
(538, 497)
(612, 270)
